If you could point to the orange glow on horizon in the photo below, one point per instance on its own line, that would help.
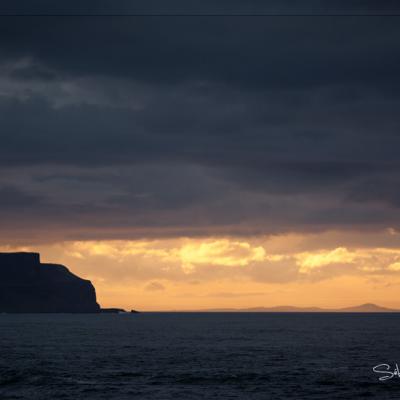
(327, 270)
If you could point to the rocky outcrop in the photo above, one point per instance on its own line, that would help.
(29, 286)
(112, 311)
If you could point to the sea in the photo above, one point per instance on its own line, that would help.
(199, 356)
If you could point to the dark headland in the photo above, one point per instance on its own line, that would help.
(29, 286)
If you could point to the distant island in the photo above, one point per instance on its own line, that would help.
(29, 286)
(363, 308)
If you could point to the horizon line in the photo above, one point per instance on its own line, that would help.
(361, 308)
(251, 15)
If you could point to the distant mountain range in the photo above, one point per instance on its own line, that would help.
(363, 308)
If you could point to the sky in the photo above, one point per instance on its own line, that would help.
(187, 162)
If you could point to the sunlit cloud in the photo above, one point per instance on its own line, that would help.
(309, 261)
(219, 252)
(367, 260)
(394, 267)
(188, 253)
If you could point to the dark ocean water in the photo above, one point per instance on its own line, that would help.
(198, 356)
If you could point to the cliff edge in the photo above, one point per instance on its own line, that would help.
(29, 286)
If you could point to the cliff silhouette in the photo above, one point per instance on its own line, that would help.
(29, 286)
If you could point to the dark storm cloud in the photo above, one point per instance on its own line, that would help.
(378, 189)
(239, 124)
(273, 53)
(197, 6)
(13, 198)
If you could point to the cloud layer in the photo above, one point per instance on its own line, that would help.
(150, 127)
